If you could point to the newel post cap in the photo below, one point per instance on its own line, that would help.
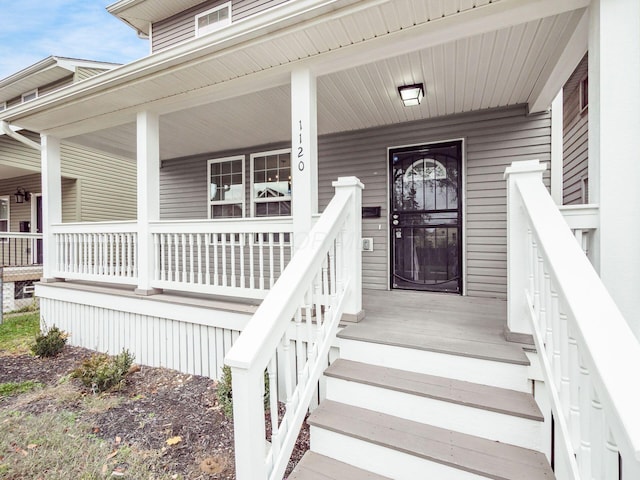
(348, 182)
(525, 166)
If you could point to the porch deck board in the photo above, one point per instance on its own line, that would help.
(444, 323)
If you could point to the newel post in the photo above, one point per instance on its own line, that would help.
(517, 249)
(352, 246)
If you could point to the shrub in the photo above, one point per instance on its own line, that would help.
(51, 343)
(224, 391)
(102, 372)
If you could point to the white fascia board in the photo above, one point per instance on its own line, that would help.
(42, 65)
(562, 66)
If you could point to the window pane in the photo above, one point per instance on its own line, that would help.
(4, 209)
(226, 211)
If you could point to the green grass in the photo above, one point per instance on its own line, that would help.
(18, 333)
(59, 445)
(15, 388)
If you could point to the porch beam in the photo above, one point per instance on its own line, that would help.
(52, 201)
(560, 68)
(304, 153)
(614, 146)
(148, 178)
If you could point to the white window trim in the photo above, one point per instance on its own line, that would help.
(251, 179)
(26, 94)
(225, 202)
(8, 199)
(581, 93)
(217, 26)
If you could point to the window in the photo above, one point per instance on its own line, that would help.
(226, 187)
(4, 214)
(32, 95)
(213, 19)
(3, 106)
(271, 183)
(584, 94)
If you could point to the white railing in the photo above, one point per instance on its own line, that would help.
(19, 249)
(239, 257)
(583, 221)
(312, 292)
(101, 251)
(586, 348)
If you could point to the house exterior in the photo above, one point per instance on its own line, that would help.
(86, 196)
(365, 183)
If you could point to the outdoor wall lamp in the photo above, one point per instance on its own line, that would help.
(22, 195)
(411, 95)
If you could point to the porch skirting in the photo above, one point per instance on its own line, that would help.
(187, 337)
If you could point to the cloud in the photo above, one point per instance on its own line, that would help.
(35, 29)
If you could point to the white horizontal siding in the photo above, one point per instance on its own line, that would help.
(493, 139)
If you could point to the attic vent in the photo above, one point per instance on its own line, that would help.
(213, 19)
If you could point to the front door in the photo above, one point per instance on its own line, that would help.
(426, 217)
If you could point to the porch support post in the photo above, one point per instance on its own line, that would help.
(148, 174)
(52, 202)
(614, 148)
(304, 153)
(517, 251)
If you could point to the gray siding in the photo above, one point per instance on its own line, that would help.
(492, 140)
(95, 186)
(181, 27)
(576, 138)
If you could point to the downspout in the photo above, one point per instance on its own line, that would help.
(6, 129)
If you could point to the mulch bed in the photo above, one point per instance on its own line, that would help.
(156, 404)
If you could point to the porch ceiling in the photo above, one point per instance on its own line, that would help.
(470, 55)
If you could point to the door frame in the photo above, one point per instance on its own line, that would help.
(463, 209)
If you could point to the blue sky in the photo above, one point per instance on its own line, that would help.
(35, 29)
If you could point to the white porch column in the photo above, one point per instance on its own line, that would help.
(51, 202)
(614, 148)
(148, 174)
(517, 238)
(304, 152)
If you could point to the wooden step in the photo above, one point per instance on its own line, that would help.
(501, 400)
(314, 466)
(498, 373)
(410, 448)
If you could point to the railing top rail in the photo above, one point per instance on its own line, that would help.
(239, 225)
(259, 339)
(96, 227)
(608, 343)
(20, 235)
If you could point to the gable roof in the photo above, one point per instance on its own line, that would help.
(44, 72)
(139, 14)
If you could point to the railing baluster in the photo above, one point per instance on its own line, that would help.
(163, 253)
(584, 452)
(199, 246)
(112, 261)
(215, 259)
(206, 259)
(281, 244)
(191, 266)
(243, 274)
(252, 279)
(271, 260)
(223, 247)
(232, 241)
(273, 406)
(611, 467)
(183, 239)
(598, 437)
(170, 267)
(261, 259)
(574, 402)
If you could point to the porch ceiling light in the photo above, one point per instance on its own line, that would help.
(22, 195)
(411, 95)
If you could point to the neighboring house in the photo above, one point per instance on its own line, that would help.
(477, 339)
(88, 181)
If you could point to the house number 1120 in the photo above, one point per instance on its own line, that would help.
(300, 149)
